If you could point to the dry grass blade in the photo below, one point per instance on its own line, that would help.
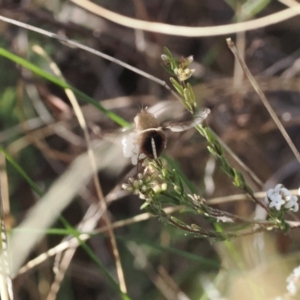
(59, 196)
(263, 98)
(185, 30)
(240, 197)
(60, 273)
(6, 287)
(102, 202)
(89, 222)
(289, 3)
(73, 242)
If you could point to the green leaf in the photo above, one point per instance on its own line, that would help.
(211, 150)
(179, 222)
(172, 61)
(169, 70)
(252, 8)
(187, 98)
(192, 98)
(177, 86)
(8, 114)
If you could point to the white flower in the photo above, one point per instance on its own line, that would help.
(183, 74)
(276, 201)
(293, 281)
(143, 185)
(291, 200)
(281, 197)
(296, 272)
(131, 148)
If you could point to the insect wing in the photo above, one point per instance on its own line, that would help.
(197, 119)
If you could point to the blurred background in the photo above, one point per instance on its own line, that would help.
(39, 129)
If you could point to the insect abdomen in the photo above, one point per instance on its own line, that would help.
(152, 143)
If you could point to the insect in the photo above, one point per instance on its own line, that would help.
(149, 138)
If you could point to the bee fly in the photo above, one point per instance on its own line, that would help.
(149, 138)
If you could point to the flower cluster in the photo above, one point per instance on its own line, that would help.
(182, 71)
(145, 185)
(293, 282)
(131, 148)
(183, 74)
(281, 198)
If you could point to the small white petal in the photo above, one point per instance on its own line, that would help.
(276, 201)
(296, 271)
(290, 203)
(296, 207)
(293, 282)
(291, 287)
(270, 193)
(286, 194)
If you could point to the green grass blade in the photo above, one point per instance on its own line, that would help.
(36, 70)
(21, 171)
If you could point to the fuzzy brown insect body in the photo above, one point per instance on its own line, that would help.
(150, 135)
(145, 120)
